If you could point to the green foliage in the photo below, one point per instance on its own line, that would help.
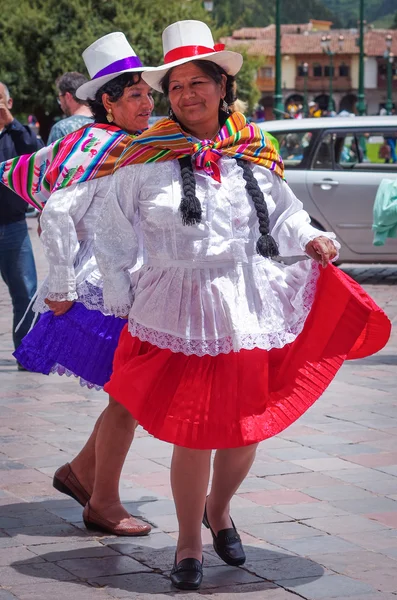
(394, 24)
(260, 13)
(247, 90)
(385, 22)
(348, 11)
(41, 39)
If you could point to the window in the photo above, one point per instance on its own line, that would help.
(344, 70)
(359, 150)
(294, 146)
(338, 150)
(266, 72)
(323, 158)
(301, 71)
(317, 70)
(328, 70)
(347, 151)
(378, 147)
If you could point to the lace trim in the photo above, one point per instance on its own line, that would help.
(61, 297)
(264, 341)
(91, 296)
(60, 370)
(120, 311)
(232, 343)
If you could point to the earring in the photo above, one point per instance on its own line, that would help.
(171, 114)
(225, 106)
(110, 117)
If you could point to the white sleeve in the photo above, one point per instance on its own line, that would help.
(289, 223)
(117, 241)
(58, 221)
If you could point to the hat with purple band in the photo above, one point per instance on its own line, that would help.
(105, 59)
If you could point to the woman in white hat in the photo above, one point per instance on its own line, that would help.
(77, 336)
(225, 345)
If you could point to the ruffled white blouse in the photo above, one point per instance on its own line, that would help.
(203, 289)
(68, 229)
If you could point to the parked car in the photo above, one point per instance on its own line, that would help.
(334, 166)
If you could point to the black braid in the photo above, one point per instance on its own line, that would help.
(190, 206)
(266, 245)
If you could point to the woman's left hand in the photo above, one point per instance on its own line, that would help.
(321, 249)
(59, 307)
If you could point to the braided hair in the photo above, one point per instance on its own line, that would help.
(191, 210)
(266, 245)
(190, 206)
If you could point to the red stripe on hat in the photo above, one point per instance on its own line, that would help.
(186, 52)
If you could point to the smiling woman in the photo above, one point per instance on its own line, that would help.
(195, 91)
(77, 336)
(225, 344)
(125, 101)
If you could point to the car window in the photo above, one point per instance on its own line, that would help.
(323, 158)
(378, 147)
(347, 150)
(294, 146)
(360, 150)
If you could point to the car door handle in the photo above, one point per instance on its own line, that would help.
(327, 184)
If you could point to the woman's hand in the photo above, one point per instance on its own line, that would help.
(321, 249)
(59, 307)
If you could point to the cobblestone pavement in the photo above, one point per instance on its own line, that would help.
(318, 513)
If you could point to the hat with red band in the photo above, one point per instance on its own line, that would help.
(185, 41)
(105, 59)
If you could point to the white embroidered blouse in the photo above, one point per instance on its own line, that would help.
(203, 289)
(68, 229)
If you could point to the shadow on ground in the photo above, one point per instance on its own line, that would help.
(64, 551)
(142, 569)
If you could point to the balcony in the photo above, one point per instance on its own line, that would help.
(321, 84)
(265, 84)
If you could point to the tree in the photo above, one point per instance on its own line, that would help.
(394, 25)
(246, 86)
(41, 39)
(260, 13)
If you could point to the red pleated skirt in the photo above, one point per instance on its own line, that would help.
(241, 398)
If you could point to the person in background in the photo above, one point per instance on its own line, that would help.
(17, 265)
(314, 110)
(77, 111)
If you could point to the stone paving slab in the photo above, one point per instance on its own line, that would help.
(317, 515)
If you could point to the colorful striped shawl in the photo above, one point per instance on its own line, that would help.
(89, 152)
(98, 150)
(237, 138)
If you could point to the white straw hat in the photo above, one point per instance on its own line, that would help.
(185, 41)
(105, 59)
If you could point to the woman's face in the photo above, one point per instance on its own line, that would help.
(195, 97)
(132, 111)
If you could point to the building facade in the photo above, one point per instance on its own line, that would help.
(301, 46)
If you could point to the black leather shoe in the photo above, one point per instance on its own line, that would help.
(187, 574)
(227, 544)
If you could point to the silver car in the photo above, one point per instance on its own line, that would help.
(334, 166)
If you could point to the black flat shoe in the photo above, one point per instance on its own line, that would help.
(227, 544)
(187, 574)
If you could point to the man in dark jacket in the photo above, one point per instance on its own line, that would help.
(17, 266)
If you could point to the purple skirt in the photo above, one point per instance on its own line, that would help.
(81, 342)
